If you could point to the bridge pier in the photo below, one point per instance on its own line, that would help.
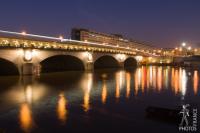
(89, 66)
(121, 65)
(27, 69)
(30, 69)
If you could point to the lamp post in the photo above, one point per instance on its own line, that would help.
(28, 55)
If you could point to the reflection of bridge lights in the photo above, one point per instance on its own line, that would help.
(119, 83)
(159, 78)
(166, 76)
(154, 74)
(121, 79)
(128, 84)
(28, 55)
(29, 93)
(33, 93)
(104, 92)
(195, 82)
(117, 93)
(61, 108)
(87, 86)
(25, 117)
(139, 76)
(184, 82)
(150, 75)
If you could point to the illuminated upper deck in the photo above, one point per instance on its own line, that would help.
(24, 40)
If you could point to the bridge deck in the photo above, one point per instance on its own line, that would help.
(20, 40)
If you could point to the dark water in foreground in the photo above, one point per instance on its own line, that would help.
(103, 101)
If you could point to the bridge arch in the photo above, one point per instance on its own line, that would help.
(7, 67)
(130, 62)
(56, 63)
(106, 61)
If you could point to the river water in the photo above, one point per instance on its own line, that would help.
(100, 101)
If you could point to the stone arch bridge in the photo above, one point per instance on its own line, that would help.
(33, 61)
(27, 54)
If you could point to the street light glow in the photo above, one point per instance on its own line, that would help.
(61, 37)
(23, 33)
(27, 55)
(183, 44)
(189, 48)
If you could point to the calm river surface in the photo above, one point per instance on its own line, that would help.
(101, 101)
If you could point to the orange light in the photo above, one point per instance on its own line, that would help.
(25, 116)
(104, 92)
(61, 109)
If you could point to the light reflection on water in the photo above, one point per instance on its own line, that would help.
(104, 92)
(195, 82)
(91, 87)
(87, 86)
(128, 84)
(62, 108)
(25, 116)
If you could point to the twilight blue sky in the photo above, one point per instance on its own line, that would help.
(164, 23)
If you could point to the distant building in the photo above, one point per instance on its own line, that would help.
(111, 39)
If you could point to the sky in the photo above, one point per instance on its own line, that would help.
(163, 23)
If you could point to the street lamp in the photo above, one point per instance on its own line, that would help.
(28, 55)
(61, 38)
(89, 56)
(189, 48)
(183, 44)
